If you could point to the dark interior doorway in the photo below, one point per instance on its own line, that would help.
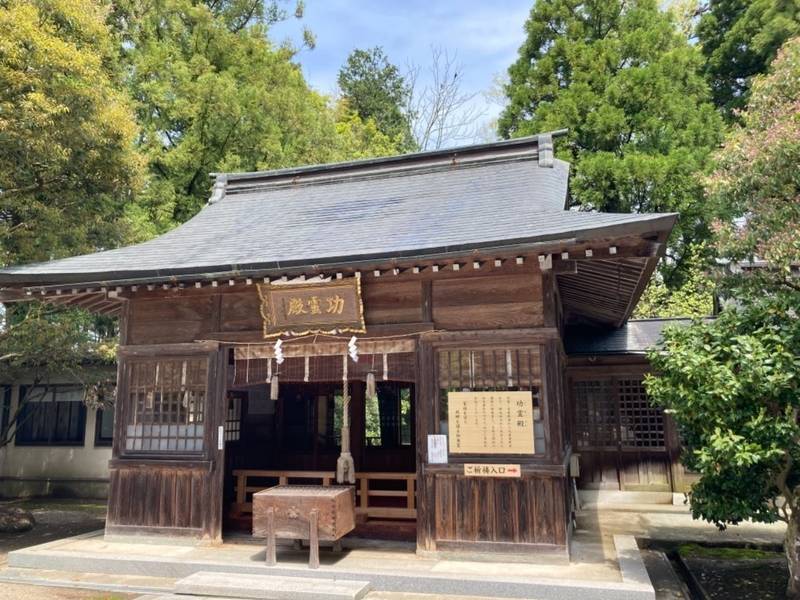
(279, 441)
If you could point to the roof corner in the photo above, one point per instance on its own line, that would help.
(220, 186)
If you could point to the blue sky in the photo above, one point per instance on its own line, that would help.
(485, 35)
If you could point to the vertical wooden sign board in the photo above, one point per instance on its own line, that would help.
(490, 422)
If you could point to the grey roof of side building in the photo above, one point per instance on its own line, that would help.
(493, 196)
(636, 336)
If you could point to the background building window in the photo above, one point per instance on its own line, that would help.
(104, 427)
(233, 417)
(51, 416)
(5, 407)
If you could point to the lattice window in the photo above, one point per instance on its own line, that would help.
(616, 413)
(166, 402)
(641, 424)
(596, 416)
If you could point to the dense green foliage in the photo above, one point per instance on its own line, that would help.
(68, 166)
(739, 38)
(757, 175)
(693, 298)
(733, 385)
(214, 94)
(626, 83)
(375, 89)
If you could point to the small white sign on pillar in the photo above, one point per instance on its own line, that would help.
(437, 449)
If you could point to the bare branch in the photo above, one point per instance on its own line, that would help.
(441, 112)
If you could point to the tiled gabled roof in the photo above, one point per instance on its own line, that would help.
(501, 195)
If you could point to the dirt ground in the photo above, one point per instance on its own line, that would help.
(55, 519)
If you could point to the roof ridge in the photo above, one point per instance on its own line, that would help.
(222, 186)
(502, 146)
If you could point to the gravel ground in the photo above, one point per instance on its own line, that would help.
(12, 591)
(55, 519)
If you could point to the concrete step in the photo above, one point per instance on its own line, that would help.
(269, 587)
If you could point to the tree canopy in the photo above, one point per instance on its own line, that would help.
(739, 38)
(214, 94)
(733, 387)
(375, 89)
(626, 83)
(68, 165)
(733, 384)
(756, 186)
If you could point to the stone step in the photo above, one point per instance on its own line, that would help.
(269, 587)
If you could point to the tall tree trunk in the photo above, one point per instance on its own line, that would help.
(792, 548)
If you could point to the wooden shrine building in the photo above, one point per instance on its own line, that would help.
(415, 304)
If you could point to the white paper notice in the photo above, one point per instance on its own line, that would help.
(437, 449)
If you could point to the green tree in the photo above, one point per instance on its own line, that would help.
(214, 94)
(756, 186)
(733, 387)
(68, 167)
(694, 298)
(625, 82)
(39, 343)
(374, 88)
(69, 172)
(356, 138)
(739, 38)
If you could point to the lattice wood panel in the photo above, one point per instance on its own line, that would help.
(596, 415)
(166, 403)
(641, 424)
(615, 413)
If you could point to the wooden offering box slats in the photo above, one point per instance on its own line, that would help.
(292, 505)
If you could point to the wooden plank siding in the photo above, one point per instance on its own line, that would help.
(490, 514)
(512, 307)
(611, 459)
(496, 301)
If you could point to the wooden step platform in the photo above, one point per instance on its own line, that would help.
(207, 584)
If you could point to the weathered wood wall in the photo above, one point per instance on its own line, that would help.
(508, 306)
(629, 445)
(160, 493)
(509, 298)
(492, 514)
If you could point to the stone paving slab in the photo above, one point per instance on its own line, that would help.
(387, 571)
(270, 587)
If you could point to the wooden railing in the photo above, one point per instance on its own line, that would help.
(364, 491)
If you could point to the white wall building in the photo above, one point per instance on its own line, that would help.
(61, 447)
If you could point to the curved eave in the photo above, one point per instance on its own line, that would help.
(18, 277)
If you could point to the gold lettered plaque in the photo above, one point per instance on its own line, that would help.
(490, 422)
(302, 309)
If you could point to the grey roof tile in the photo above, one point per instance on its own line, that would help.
(335, 215)
(636, 336)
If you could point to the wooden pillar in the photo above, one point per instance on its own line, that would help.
(215, 416)
(424, 424)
